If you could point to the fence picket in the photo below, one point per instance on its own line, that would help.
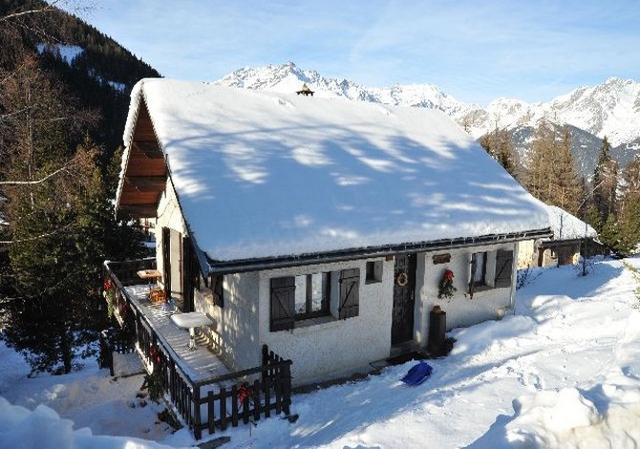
(223, 408)
(256, 400)
(234, 406)
(211, 416)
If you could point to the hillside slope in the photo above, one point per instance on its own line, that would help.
(93, 68)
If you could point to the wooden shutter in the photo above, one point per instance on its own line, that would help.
(349, 293)
(189, 271)
(283, 291)
(504, 268)
(166, 261)
(218, 290)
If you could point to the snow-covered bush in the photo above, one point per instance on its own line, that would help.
(635, 272)
(585, 265)
(526, 276)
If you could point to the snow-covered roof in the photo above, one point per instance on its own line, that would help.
(566, 226)
(262, 174)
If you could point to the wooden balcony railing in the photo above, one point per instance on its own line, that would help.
(205, 405)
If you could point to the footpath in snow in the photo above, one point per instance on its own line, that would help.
(564, 372)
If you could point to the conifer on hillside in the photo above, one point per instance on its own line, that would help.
(60, 221)
(629, 207)
(499, 146)
(551, 173)
(605, 182)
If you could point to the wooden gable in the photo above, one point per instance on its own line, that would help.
(145, 175)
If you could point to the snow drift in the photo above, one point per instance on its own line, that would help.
(568, 419)
(42, 428)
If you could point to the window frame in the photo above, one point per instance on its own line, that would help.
(373, 279)
(325, 303)
(479, 283)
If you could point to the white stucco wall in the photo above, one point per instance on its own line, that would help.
(169, 216)
(334, 348)
(526, 253)
(461, 309)
(327, 348)
(235, 332)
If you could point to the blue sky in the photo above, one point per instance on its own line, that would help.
(474, 50)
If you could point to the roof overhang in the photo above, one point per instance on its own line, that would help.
(267, 263)
(144, 171)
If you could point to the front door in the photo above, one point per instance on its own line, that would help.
(404, 278)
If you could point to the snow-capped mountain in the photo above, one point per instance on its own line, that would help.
(289, 78)
(609, 109)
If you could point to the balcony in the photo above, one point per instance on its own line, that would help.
(201, 390)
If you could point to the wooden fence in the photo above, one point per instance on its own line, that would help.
(213, 404)
(113, 340)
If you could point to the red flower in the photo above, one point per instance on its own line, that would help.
(243, 393)
(107, 284)
(448, 275)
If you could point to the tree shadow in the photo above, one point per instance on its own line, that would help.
(495, 437)
(296, 186)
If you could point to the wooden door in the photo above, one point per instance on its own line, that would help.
(404, 278)
(188, 274)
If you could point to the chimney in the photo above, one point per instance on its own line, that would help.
(305, 90)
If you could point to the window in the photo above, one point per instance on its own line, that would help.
(311, 295)
(478, 268)
(504, 268)
(297, 298)
(374, 272)
(212, 293)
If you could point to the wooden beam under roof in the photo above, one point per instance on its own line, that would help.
(137, 210)
(146, 149)
(145, 183)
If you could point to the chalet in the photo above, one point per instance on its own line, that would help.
(571, 238)
(308, 234)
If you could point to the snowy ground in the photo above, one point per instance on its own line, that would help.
(563, 373)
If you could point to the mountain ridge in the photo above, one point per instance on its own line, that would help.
(610, 108)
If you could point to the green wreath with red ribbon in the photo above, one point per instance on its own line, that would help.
(445, 287)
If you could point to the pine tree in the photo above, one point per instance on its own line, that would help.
(565, 188)
(61, 224)
(629, 207)
(605, 182)
(539, 166)
(611, 235)
(551, 174)
(499, 146)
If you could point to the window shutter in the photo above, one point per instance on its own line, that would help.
(349, 293)
(283, 292)
(217, 290)
(189, 271)
(472, 275)
(504, 268)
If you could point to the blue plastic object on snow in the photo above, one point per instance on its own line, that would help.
(418, 374)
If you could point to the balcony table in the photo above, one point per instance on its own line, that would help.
(191, 320)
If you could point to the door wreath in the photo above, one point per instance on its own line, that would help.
(402, 279)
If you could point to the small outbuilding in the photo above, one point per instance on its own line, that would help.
(571, 238)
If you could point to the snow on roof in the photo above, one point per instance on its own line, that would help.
(566, 226)
(263, 174)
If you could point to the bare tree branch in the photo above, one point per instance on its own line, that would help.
(38, 181)
(14, 15)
